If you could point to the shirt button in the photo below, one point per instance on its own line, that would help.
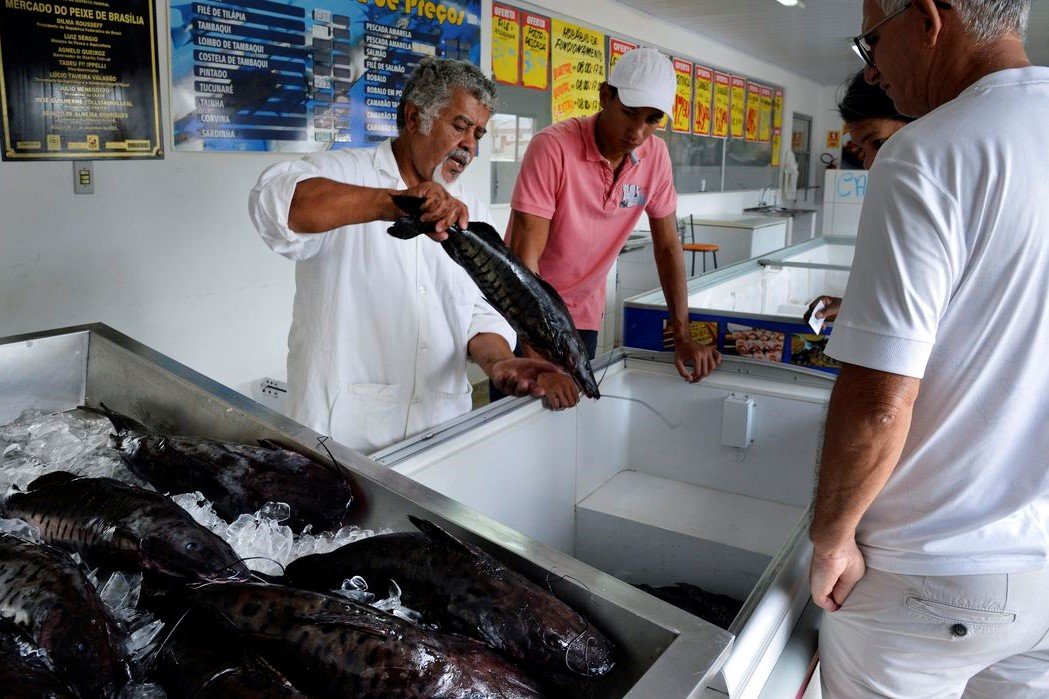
(422, 289)
(959, 630)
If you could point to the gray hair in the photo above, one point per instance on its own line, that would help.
(984, 20)
(431, 84)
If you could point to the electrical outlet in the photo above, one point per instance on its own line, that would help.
(83, 177)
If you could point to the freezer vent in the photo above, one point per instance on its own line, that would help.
(737, 421)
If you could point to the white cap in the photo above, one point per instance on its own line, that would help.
(645, 78)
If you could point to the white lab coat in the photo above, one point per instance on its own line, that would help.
(377, 349)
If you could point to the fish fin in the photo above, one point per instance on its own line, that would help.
(487, 233)
(436, 533)
(411, 206)
(405, 229)
(52, 479)
(121, 423)
(360, 623)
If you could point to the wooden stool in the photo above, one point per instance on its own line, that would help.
(703, 248)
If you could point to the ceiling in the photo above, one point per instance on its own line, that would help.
(813, 41)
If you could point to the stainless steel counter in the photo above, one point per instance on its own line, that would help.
(663, 652)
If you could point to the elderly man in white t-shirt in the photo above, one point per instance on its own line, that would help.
(382, 328)
(932, 511)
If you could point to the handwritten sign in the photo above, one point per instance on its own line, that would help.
(722, 92)
(506, 44)
(535, 54)
(578, 64)
(704, 88)
(765, 114)
(753, 111)
(739, 106)
(683, 96)
(616, 48)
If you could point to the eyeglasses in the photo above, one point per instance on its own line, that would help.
(863, 45)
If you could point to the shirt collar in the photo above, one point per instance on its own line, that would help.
(588, 128)
(385, 163)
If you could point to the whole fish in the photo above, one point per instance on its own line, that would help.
(332, 647)
(25, 674)
(46, 596)
(116, 525)
(193, 665)
(237, 478)
(533, 308)
(464, 590)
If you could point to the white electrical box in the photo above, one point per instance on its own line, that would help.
(737, 421)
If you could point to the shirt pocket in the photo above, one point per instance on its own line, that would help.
(366, 416)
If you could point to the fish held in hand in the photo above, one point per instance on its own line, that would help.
(533, 308)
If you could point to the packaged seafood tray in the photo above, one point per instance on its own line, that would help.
(661, 651)
(753, 308)
(679, 486)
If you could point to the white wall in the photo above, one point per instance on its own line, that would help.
(164, 250)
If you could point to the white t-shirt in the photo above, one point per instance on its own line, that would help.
(950, 284)
(377, 348)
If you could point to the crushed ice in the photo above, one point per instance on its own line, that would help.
(79, 441)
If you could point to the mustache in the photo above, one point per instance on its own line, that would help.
(462, 155)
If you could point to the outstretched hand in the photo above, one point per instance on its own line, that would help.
(831, 306)
(529, 377)
(695, 361)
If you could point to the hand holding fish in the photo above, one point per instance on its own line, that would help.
(702, 359)
(559, 389)
(439, 207)
(526, 377)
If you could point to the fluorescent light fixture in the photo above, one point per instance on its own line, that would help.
(788, 3)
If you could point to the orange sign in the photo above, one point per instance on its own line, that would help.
(683, 96)
(704, 88)
(834, 139)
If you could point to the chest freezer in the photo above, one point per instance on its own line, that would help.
(739, 237)
(661, 651)
(677, 484)
(753, 308)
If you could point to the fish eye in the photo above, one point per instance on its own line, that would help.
(192, 546)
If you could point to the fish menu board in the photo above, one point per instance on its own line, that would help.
(79, 80)
(257, 75)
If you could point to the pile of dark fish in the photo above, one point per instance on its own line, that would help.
(533, 308)
(486, 631)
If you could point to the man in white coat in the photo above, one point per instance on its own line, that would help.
(382, 328)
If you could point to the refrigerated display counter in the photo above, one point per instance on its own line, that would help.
(662, 651)
(707, 484)
(753, 308)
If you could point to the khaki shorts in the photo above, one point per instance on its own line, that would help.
(919, 637)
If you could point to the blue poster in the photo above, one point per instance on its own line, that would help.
(259, 75)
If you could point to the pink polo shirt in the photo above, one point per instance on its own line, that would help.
(565, 179)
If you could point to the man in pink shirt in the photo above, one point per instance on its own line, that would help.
(582, 188)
